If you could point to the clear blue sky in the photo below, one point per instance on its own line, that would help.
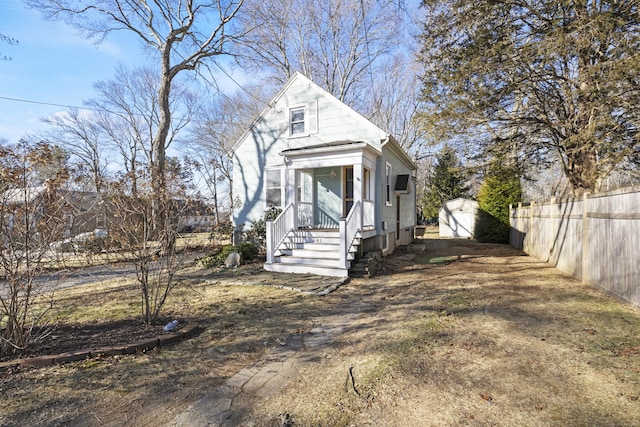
(51, 64)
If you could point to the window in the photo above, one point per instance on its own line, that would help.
(388, 184)
(273, 188)
(296, 121)
(365, 185)
(101, 221)
(299, 120)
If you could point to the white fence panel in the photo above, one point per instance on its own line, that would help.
(596, 238)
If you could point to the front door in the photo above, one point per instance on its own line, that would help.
(347, 185)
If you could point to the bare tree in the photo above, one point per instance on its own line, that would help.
(334, 43)
(154, 255)
(78, 132)
(129, 118)
(182, 34)
(218, 126)
(397, 104)
(10, 41)
(31, 218)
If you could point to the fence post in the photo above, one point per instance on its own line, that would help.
(269, 244)
(585, 241)
(532, 206)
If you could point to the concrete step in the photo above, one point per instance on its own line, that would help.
(320, 262)
(304, 253)
(328, 247)
(307, 269)
(332, 253)
(329, 240)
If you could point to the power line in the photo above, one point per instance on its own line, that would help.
(30, 101)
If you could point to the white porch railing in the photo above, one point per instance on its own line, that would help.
(305, 214)
(349, 228)
(325, 220)
(278, 229)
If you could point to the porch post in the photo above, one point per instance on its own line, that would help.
(343, 242)
(269, 242)
(291, 194)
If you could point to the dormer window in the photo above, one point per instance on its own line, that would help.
(296, 123)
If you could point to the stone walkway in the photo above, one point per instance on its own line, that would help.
(229, 403)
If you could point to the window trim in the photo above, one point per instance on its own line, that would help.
(388, 174)
(366, 184)
(291, 122)
(305, 120)
(310, 110)
(267, 206)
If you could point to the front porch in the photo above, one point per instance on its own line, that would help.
(330, 209)
(308, 249)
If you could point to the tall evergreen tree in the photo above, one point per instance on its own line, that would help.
(550, 80)
(446, 182)
(501, 187)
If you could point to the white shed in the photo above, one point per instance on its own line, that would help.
(457, 218)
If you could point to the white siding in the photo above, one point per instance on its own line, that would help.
(407, 201)
(261, 146)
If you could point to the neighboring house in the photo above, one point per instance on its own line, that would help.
(195, 216)
(66, 214)
(84, 213)
(344, 185)
(457, 218)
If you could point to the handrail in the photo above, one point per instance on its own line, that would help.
(278, 229)
(349, 228)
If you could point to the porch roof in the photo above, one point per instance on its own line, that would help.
(326, 147)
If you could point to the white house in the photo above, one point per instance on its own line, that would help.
(457, 218)
(344, 185)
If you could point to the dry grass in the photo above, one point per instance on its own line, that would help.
(463, 334)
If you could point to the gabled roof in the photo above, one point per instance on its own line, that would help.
(386, 139)
(16, 196)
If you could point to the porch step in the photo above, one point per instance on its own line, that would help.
(305, 238)
(318, 262)
(307, 269)
(313, 252)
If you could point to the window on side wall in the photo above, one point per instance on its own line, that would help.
(273, 188)
(388, 184)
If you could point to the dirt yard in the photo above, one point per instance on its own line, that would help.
(462, 334)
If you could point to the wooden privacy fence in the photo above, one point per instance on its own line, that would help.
(596, 238)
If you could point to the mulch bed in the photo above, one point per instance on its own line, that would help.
(74, 338)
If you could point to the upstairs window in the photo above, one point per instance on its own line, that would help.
(296, 121)
(299, 120)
